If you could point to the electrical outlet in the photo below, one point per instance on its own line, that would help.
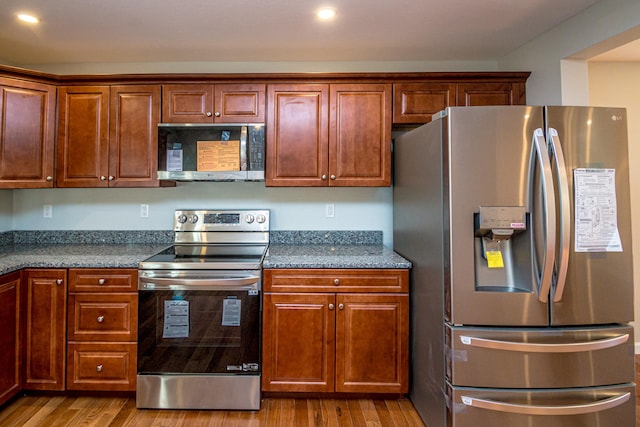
(330, 210)
(47, 211)
(144, 211)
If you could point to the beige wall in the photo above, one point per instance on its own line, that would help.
(614, 84)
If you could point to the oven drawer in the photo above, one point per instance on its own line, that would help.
(101, 366)
(102, 317)
(103, 279)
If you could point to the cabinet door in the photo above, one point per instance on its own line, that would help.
(486, 93)
(360, 135)
(298, 347)
(83, 136)
(9, 336)
(44, 329)
(27, 134)
(297, 135)
(239, 103)
(133, 140)
(415, 103)
(187, 103)
(372, 347)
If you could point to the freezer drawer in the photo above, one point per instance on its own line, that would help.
(583, 407)
(539, 357)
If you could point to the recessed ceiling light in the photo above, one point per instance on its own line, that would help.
(28, 18)
(326, 13)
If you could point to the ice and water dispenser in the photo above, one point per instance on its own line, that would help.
(503, 251)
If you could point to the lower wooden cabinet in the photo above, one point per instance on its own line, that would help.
(44, 320)
(353, 340)
(102, 329)
(10, 383)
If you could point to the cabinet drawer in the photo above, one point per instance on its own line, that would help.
(100, 280)
(103, 317)
(329, 280)
(101, 366)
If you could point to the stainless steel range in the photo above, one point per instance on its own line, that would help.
(199, 313)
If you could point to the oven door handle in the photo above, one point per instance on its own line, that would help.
(205, 284)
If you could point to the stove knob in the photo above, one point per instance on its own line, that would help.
(182, 219)
(261, 218)
(249, 219)
(194, 219)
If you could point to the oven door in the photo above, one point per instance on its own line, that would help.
(199, 322)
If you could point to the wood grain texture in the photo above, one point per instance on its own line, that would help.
(275, 412)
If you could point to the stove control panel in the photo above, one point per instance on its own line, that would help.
(222, 220)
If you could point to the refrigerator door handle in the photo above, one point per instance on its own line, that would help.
(539, 151)
(555, 148)
(528, 347)
(585, 408)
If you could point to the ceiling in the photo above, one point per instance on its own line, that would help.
(85, 31)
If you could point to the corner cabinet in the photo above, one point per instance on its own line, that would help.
(108, 136)
(336, 331)
(329, 135)
(27, 134)
(44, 328)
(10, 383)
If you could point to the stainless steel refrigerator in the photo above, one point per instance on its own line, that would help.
(517, 222)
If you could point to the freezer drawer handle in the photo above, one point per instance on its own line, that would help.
(587, 408)
(573, 347)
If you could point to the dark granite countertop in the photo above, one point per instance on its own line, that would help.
(125, 249)
(332, 256)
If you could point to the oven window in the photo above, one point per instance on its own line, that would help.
(198, 332)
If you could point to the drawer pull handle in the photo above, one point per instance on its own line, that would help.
(330, 306)
(58, 281)
(99, 368)
(341, 306)
(101, 281)
(100, 319)
(336, 281)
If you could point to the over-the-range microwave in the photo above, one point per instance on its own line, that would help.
(211, 152)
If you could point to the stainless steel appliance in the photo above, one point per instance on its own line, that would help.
(517, 222)
(199, 313)
(211, 152)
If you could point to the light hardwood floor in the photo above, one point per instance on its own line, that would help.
(33, 410)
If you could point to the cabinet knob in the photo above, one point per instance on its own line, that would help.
(49, 178)
(101, 281)
(58, 281)
(100, 319)
(99, 368)
(341, 306)
(333, 177)
(103, 178)
(330, 306)
(217, 113)
(336, 281)
(111, 178)
(324, 177)
(208, 113)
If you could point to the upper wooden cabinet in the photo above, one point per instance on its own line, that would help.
(415, 102)
(328, 135)
(221, 103)
(488, 93)
(108, 136)
(27, 134)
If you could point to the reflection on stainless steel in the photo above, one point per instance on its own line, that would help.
(530, 279)
(199, 313)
